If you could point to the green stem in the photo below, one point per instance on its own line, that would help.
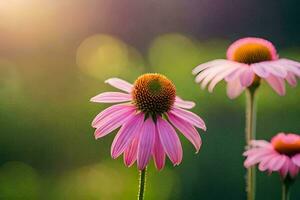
(286, 189)
(250, 135)
(142, 184)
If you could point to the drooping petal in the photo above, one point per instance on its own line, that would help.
(146, 143)
(277, 84)
(114, 110)
(169, 141)
(291, 79)
(189, 117)
(284, 169)
(277, 162)
(260, 70)
(187, 130)
(126, 134)
(256, 157)
(120, 84)
(274, 68)
(247, 77)
(209, 64)
(208, 73)
(293, 169)
(108, 125)
(234, 88)
(296, 159)
(291, 66)
(220, 77)
(184, 104)
(111, 97)
(130, 153)
(159, 155)
(261, 143)
(213, 72)
(264, 164)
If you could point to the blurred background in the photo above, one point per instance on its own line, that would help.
(55, 56)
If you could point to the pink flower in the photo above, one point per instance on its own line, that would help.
(281, 155)
(146, 112)
(248, 61)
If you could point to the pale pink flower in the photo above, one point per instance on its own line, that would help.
(248, 61)
(146, 112)
(282, 154)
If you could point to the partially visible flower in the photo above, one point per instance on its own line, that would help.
(146, 112)
(248, 61)
(281, 155)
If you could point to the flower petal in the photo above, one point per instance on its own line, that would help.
(146, 143)
(110, 112)
(260, 70)
(277, 84)
(189, 117)
(120, 84)
(169, 141)
(111, 97)
(130, 153)
(291, 79)
(159, 155)
(221, 76)
(209, 64)
(126, 134)
(247, 77)
(187, 130)
(184, 104)
(296, 159)
(234, 88)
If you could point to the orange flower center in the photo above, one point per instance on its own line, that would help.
(153, 94)
(287, 148)
(252, 53)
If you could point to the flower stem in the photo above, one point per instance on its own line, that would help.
(142, 184)
(250, 135)
(285, 191)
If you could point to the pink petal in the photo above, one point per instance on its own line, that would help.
(189, 117)
(264, 164)
(111, 97)
(212, 74)
(212, 71)
(209, 64)
(159, 155)
(220, 77)
(120, 84)
(247, 77)
(130, 153)
(187, 130)
(293, 169)
(235, 74)
(284, 169)
(256, 157)
(260, 70)
(183, 104)
(277, 84)
(274, 68)
(146, 143)
(106, 114)
(291, 79)
(296, 159)
(234, 88)
(108, 125)
(291, 66)
(277, 162)
(169, 141)
(126, 134)
(260, 143)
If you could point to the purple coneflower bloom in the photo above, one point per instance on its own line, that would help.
(248, 61)
(281, 155)
(147, 113)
